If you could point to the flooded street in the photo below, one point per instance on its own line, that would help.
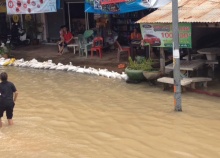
(70, 115)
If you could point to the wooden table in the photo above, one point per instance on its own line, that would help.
(188, 65)
(211, 53)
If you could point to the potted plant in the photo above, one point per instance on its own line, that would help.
(4, 51)
(152, 75)
(135, 68)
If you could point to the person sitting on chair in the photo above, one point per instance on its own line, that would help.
(61, 42)
(68, 38)
(135, 35)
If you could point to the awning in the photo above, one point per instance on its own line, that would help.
(121, 6)
(190, 11)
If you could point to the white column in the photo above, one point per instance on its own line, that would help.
(69, 17)
(9, 21)
(45, 31)
(87, 20)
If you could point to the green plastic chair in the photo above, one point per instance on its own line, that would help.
(85, 44)
(88, 33)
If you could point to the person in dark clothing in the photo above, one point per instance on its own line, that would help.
(8, 96)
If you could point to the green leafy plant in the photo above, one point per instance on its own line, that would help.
(2, 51)
(31, 27)
(140, 63)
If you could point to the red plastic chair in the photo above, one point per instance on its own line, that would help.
(97, 46)
(122, 49)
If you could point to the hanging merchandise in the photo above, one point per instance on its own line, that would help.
(30, 6)
(28, 17)
(121, 6)
(2, 6)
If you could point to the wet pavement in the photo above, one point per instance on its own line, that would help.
(45, 52)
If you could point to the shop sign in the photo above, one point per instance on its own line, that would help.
(160, 34)
(2, 7)
(111, 1)
(30, 6)
(15, 18)
(121, 6)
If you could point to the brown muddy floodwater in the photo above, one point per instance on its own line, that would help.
(69, 115)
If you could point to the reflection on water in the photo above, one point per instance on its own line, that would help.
(64, 114)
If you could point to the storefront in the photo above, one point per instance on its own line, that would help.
(71, 13)
(124, 13)
(8, 19)
(77, 19)
(124, 24)
(197, 30)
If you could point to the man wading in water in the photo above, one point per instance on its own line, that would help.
(8, 95)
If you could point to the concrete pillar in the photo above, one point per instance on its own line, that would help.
(45, 31)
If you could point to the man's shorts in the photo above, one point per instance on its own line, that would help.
(8, 107)
(63, 44)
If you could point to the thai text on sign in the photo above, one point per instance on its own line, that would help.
(111, 1)
(161, 35)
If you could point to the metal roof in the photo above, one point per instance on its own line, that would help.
(190, 11)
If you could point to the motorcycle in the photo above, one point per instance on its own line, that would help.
(3, 39)
(18, 39)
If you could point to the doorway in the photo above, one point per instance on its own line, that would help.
(3, 24)
(78, 21)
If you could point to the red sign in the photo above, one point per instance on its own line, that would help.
(10, 4)
(103, 2)
(30, 6)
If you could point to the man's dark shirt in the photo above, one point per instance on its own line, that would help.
(6, 91)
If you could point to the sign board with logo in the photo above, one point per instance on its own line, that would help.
(15, 18)
(121, 6)
(160, 34)
(30, 6)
